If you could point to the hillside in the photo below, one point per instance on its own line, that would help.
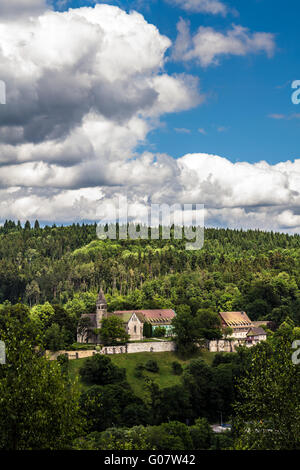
(164, 378)
(258, 272)
(56, 273)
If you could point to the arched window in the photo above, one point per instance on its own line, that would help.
(134, 328)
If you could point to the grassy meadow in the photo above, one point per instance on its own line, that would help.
(164, 378)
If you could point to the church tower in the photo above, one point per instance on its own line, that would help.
(101, 308)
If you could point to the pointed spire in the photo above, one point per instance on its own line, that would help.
(101, 297)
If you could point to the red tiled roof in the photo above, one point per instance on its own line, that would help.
(152, 316)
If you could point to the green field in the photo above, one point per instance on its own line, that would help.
(164, 378)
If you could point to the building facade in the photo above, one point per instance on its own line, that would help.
(133, 321)
(239, 322)
(244, 332)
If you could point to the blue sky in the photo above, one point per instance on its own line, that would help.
(241, 92)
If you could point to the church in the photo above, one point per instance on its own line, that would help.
(133, 320)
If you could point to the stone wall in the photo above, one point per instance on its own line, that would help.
(71, 354)
(223, 345)
(153, 346)
(129, 348)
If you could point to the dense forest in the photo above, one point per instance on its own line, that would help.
(42, 407)
(49, 276)
(254, 271)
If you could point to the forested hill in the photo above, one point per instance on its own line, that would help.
(255, 271)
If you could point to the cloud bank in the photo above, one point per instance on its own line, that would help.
(84, 89)
(10, 9)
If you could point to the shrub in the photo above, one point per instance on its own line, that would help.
(63, 360)
(152, 366)
(99, 370)
(107, 406)
(147, 330)
(177, 368)
(201, 434)
(159, 332)
(138, 371)
(55, 337)
(170, 436)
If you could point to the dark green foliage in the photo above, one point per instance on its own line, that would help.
(201, 435)
(253, 271)
(147, 330)
(170, 436)
(66, 322)
(197, 379)
(136, 413)
(138, 371)
(112, 331)
(190, 330)
(159, 332)
(54, 337)
(208, 319)
(16, 319)
(115, 439)
(186, 334)
(223, 358)
(63, 361)
(152, 366)
(222, 441)
(99, 370)
(268, 406)
(39, 408)
(111, 405)
(177, 368)
(172, 403)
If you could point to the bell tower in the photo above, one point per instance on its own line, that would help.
(101, 308)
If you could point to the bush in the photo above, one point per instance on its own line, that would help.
(177, 368)
(110, 405)
(55, 337)
(201, 434)
(152, 366)
(223, 358)
(99, 370)
(222, 441)
(170, 436)
(138, 371)
(63, 360)
(159, 332)
(147, 330)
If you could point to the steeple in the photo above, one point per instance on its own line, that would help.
(101, 308)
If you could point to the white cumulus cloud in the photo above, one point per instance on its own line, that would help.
(214, 7)
(10, 9)
(207, 45)
(84, 88)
